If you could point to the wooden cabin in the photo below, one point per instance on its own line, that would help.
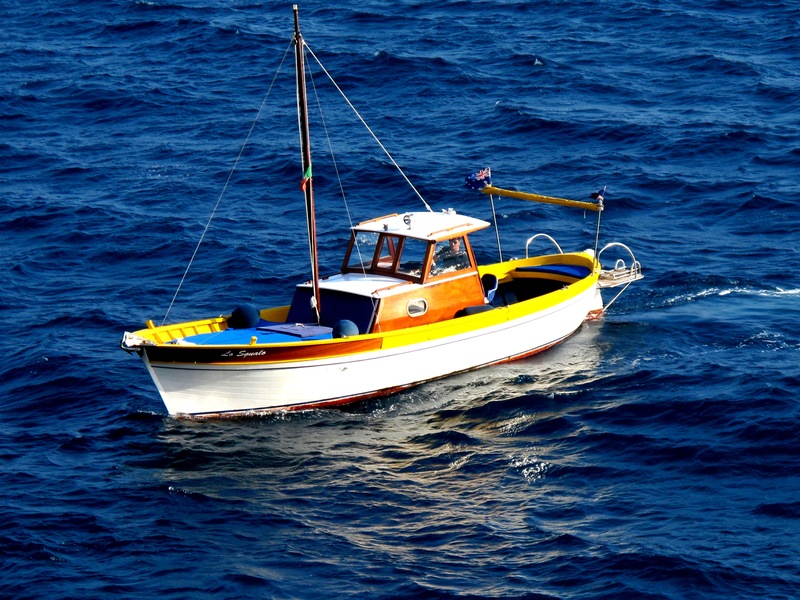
(399, 271)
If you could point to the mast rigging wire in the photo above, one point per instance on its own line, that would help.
(225, 187)
(372, 133)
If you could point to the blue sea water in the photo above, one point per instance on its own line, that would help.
(655, 454)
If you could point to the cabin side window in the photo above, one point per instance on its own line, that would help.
(450, 255)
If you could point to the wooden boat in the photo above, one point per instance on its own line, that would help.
(409, 305)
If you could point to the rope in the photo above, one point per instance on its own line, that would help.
(614, 299)
(225, 187)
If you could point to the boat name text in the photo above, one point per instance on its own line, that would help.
(243, 353)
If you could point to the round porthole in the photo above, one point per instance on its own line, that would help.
(417, 307)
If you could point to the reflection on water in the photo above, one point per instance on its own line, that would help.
(498, 421)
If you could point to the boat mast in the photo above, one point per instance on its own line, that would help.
(307, 184)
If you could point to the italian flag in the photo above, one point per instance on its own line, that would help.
(306, 177)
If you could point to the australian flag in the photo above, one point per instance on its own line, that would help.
(599, 194)
(480, 179)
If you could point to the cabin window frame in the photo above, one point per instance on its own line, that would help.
(390, 245)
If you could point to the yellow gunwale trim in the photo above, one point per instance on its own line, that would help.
(399, 339)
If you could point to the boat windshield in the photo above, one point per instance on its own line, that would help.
(412, 257)
(388, 251)
(362, 250)
(387, 254)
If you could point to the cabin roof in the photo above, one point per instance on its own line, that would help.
(359, 284)
(424, 225)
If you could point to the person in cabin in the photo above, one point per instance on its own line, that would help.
(450, 256)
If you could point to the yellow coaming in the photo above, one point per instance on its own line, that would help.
(162, 334)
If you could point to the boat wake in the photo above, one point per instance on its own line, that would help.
(716, 291)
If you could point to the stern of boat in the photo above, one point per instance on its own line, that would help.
(621, 275)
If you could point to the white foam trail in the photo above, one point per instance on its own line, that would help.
(764, 293)
(744, 291)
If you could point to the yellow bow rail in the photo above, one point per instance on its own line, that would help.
(490, 189)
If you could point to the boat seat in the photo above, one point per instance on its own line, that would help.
(504, 296)
(473, 310)
(490, 283)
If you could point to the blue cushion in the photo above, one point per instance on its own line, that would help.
(265, 334)
(244, 316)
(576, 271)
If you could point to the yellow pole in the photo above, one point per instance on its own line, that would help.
(490, 189)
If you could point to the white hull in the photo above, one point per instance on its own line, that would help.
(210, 390)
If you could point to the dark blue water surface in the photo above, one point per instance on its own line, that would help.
(655, 454)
